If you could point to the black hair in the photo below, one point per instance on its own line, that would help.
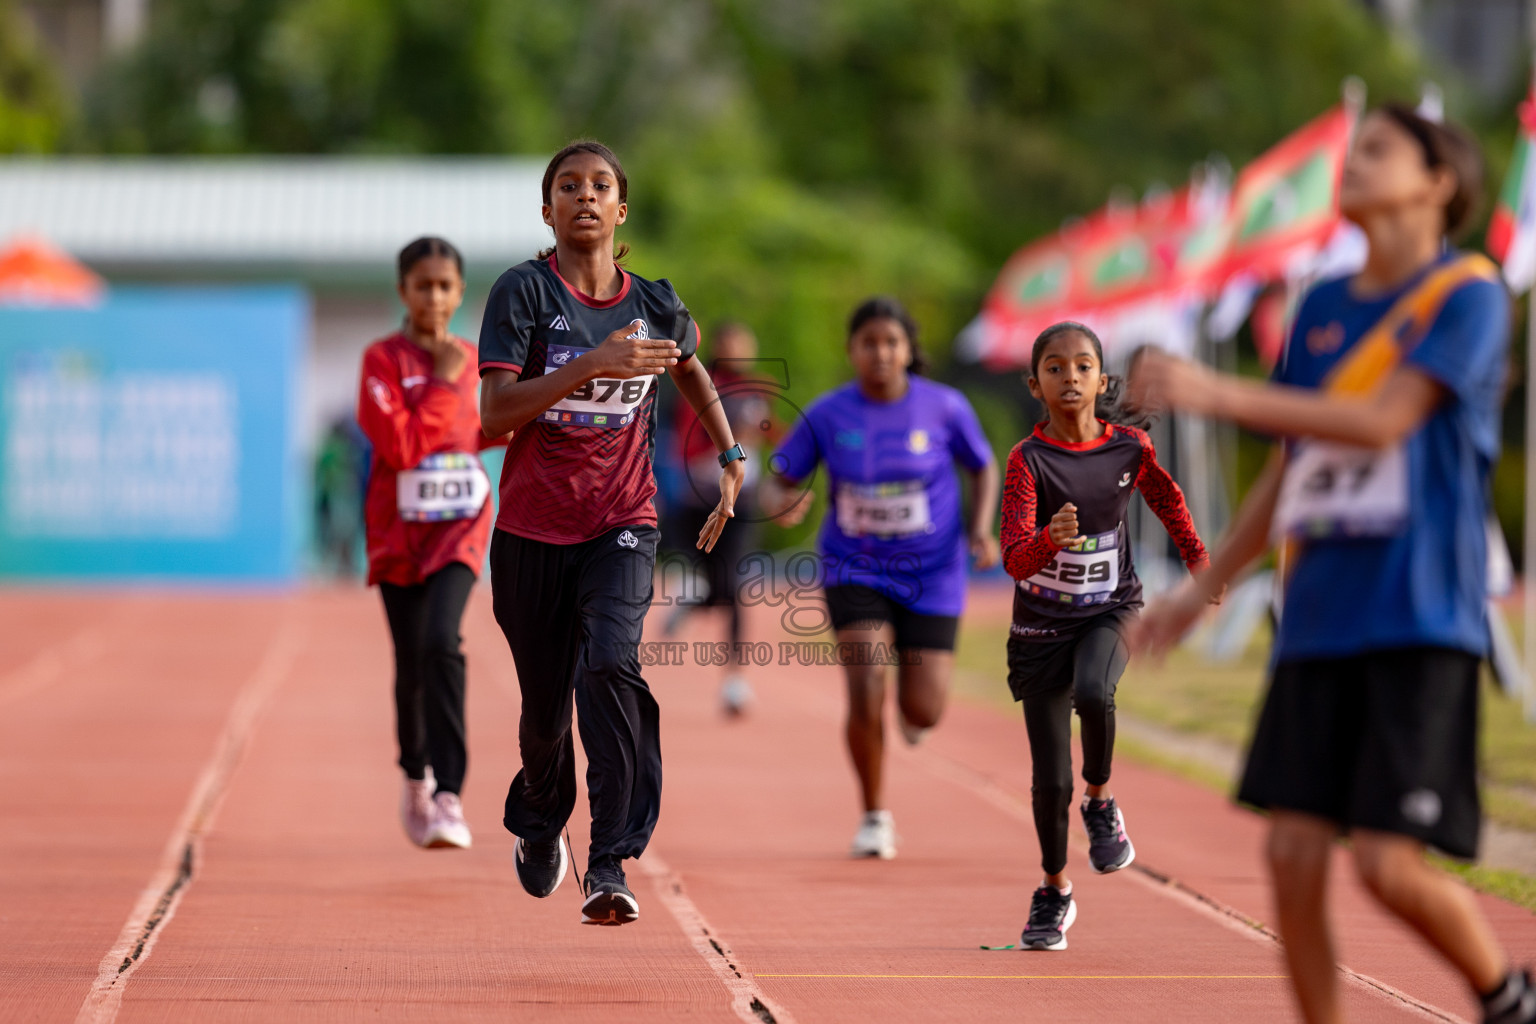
(1108, 406)
(1445, 145)
(423, 248)
(883, 307)
(603, 153)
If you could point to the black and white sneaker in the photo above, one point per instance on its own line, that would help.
(609, 900)
(1051, 913)
(541, 866)
(1513, 1002)
(1109, 848)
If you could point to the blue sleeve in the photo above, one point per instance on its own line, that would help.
(798, 454)
(967, 441)
(506, 328)
(1308, 316)
(1468, 345)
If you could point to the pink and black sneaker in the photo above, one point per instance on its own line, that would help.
(1109, 848)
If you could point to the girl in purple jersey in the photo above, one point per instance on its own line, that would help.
(894, 550)
(1068, 489)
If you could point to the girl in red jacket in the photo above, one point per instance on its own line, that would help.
(428, 518)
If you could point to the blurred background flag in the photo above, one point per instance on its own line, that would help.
(1512, 229)
(1285, 204)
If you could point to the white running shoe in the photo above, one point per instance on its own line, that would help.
(913, 734)
(735, 694)
(416, 807)
(876, 836)
(448, 826)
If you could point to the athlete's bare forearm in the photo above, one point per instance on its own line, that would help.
(1248, 536)
(507, 402)
(985, 484)
(694, 384)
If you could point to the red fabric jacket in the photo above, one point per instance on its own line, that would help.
(409, 414)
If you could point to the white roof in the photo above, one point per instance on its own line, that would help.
(273, 210)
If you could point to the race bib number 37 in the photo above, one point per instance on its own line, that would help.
(597, 403)
(1334, 490)
(1088, 573)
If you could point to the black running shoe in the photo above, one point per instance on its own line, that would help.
(1513, 1002)
(1109, 848)
(541, 866)
(609, 900)
(1051, 913)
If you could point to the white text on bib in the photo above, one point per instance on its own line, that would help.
(1087, 573)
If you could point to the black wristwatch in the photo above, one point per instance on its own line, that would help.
(731, 455)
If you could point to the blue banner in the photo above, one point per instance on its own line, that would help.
(154, 437)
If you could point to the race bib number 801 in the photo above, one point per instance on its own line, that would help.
(597, 403)
(1088, 573)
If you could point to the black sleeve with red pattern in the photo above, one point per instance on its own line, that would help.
(1026, 550)
(1166, 500)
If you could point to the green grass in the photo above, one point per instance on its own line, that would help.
(1193, 696)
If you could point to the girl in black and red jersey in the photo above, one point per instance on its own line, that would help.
(570, 350)
(428, 519)
(1076, 591)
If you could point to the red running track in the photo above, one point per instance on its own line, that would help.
(202, 786)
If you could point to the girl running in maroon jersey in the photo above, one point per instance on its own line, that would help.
(428, 519)
(1076, 591)
(570, 349)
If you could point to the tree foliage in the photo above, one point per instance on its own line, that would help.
(33, 112)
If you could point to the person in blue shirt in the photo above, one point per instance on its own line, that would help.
(1388, 402)
(894, 544)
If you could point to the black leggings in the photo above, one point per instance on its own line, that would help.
(1052, 678)
(429, 673)
(572, 615)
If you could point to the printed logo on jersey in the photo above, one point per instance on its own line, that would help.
(559, 324)
(1421, 807)
(628, 540)
(849, 439)
(638, 329)
(380, 392)
(1125, 479)
(1322, 340)
(917, 442)
(413, 382)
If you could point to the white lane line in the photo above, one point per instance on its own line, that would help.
(49, 664)
(1008, 802)
(747, 999)
(157, 903)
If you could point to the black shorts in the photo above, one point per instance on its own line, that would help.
(1037, 667)
(850, 604)
(1384, 741)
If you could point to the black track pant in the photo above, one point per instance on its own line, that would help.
(572, 614)
(1051, 679)
(429, 673)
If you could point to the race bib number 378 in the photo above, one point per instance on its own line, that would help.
(597, 403)
(1088, 573)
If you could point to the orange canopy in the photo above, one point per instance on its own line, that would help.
(35, 273)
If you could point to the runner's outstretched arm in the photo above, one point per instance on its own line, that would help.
(1167, 619)
(1403, 403)
(693, 382)
(1166, 500)
(508, 402)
